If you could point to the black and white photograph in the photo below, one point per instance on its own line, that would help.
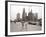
(25, 18)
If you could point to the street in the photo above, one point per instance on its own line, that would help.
(17, 27)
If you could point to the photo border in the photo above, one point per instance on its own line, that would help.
(6, 18)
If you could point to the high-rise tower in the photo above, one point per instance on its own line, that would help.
(24, 14)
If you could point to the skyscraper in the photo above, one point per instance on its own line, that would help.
(35, 17)
(30, 15)
(18, 16)
(24, 15)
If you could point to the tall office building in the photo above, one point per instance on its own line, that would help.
(30, 15)
(18, 16)
(24, 15)
(35, 17)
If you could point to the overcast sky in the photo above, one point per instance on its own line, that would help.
(19, 9)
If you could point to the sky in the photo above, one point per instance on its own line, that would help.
(19, 9)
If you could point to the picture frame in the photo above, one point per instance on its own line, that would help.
(7, 15)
